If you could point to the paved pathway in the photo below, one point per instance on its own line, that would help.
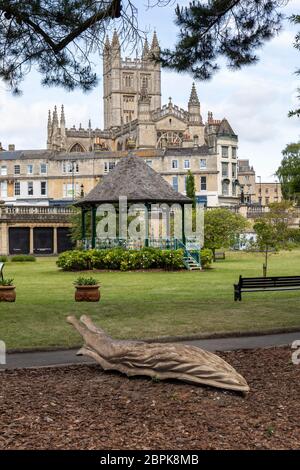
(67, 357)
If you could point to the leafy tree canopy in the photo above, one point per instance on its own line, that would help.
(60, 37)
(190, 187)
(221, 227)
(289, 172)
(215, 29)
(272, 229)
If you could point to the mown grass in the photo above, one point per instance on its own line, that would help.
(146, 304)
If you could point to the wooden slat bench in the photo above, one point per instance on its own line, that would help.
(265, 284)
(219, 255)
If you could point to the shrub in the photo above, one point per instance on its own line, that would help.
(6, 282)
(74, 260)
(86, 281)
(206, 258)
(294, 235)
(23, 258)
(120, 259)
(3, 259)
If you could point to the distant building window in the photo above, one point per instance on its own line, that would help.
(186, 164)
(29, 169)
(77, 148)
(43, 168)
(17, 188)
(225, 188)
(4, 170)
(70, 167)
(234, 152)
(108, 166)
(128, 99)
(233, 188)
(30, 188)
(267, 190)
(128, 80)
(202, 163)
(43, 188)
(203, 183)
(149, 162)
(224, 169)
(247, 178)
(174, 164)
(175, 183)
(267, 200)
(196, 140)
(224, 151)
(17, 169)
(3, 189)
(70, 190)
(234, 170)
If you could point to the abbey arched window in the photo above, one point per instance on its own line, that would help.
(77, 148)
(169, 139)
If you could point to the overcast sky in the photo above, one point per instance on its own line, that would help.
(255, 100)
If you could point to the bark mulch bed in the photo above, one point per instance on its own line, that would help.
(80, 407)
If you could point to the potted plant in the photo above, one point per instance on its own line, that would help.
(7, 290)
(87, 289)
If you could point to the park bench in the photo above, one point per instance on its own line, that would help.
(219, 255)
(1, 271)
(265, 284)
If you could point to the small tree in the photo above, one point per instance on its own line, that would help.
(289, 172)
(272, 230)
(221, 227)
(190, 187)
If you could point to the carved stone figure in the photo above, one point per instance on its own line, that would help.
(162, 361)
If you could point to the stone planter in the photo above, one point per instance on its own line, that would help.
(87, 293)
(7, 293)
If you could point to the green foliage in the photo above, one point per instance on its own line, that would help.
(74, 260)
(296, 20)
(222, 29)
(56, 37)
(23, 258)
(289, 172)
(221, 227)
(272, 229)
(76, 229)
(206, 258)
(86, 281)
(190, 187)
(6, 282)
(120, 259)
(293, 235)
(3, 259)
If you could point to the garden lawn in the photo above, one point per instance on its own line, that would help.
(146, 304)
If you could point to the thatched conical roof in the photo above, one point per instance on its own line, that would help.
(134, 179)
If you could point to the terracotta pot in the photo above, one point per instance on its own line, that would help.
(87, 293)
(7, 293)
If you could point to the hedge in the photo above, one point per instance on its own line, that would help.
(120, 259)
(23, 258)
(126, 260)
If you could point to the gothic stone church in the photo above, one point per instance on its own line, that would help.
(134, 117)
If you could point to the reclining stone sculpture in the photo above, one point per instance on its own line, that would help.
(157, 360)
